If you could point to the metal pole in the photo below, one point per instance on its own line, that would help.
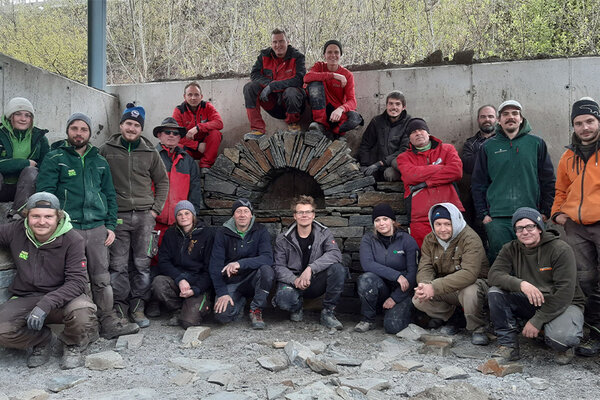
(97, 44)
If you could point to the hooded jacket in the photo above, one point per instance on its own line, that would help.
(206, 118)
(139, 175)
(335, 94)
(550, 266)
(578, 185)
(455, 264)
(279, 73)
(10, 167)
(83, 184)
(513, 173)
(288, 255)
(383, 140)
(399, 258)
(55, 269)
(251, 251)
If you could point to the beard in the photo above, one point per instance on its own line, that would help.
(77, 144)
(487, 129)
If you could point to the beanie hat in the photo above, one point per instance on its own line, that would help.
(440, 212)
(79, 117)
(511, 103)
(18, 104)
(243, 202)
(529, 213)
(383, 210)
(415, 124)
(136, 113)
(584, 106)
(43, 197)
(184, 205)
(333, 41)
(169, 122)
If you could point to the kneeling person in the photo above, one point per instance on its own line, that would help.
(45, 241)
(452, 257)
(308, 264)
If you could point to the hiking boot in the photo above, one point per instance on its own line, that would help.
(565, 357)
(71, 357)
(434, 323)
(254, 135)
(152, 309)
(316, 127)
(507, 353)
(364, 326)
(40, 354)
(174, 320)
(449, 329)
(256, 319)
(588, 348)
(329, 320)
(297, 316)
(479, 337)
(114, 327)
(137, 315)
(294, 128)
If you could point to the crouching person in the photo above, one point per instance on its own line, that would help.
(452, 258)
(183, 284)
(535, 278)
(308, 264)
(389, 258)
(45, 241)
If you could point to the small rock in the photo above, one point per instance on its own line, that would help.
(273, 363)
(411, 332)
(228, 396)
(183, 378)
(427, 338)
(538, 383)
(33, 394)
(222, 378)
(203, 367)
(316, 346)
(452, 391)
(288, 383)
(279, 345)
(321, 365)
(60, 383)
(276, 391)
(492, 366)
(436, 348)
(195, 333)
(406, 365)
(317, 390)
(191, 345)
(344, 392)
(298, 353)
(452, 372)
(372, 365)
(342, 359)
(104, 360)
(365, 384)
(130, 342)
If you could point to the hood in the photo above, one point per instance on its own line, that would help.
(574, 146)
(316, 225)
(524, 129)
(64, 226)
(230, 224)
(458, 222)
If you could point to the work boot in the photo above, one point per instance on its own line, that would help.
(153, 309)
(294, 128)
(137, 315)
(112, 327)
(454, 324)
(71, 357)
(40, 354)
(256, 319)
(589, 347)
(329, 320)
(565, 357)
(434, 323)
(507, 353)
(254, 135)
(479, 337)
(174, 320)
(364, 326)
(316, 127)
(297, 316)
(449, 329)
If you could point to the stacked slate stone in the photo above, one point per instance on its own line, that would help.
(7, 274)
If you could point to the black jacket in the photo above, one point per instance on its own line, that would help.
(384, 140)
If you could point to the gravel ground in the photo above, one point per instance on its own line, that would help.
(236, 344)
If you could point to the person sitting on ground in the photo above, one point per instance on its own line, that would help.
(203, 126)
(241, 266)
(535, 278)
(331, 93)
(45, 241)
(452, 258)
(308, 264)
(389, 257)
(183, 284)
(23, 146)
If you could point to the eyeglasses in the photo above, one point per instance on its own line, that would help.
(304, 212)
(529, 228)
(172, 133)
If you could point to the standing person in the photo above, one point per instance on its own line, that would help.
(308, 264)
(452, 260)
(389, 258)
(534, 278)
(80, 178)
(203, 126)
(183, 284)
(45, 241)
(576, 209)
(241, 266)
(331, 93)
(275, 85)
(385, 138)
(142, 185)
(23, 146)
(513, 169)
(429, 170)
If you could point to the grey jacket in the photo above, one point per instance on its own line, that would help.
(288, 256)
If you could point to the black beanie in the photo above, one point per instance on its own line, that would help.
(583, 106)
(415, 124)
(440, 212)
(242, 202)
(383, 210)
(333, 41)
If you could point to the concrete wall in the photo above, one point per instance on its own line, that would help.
(55, 98)
(446, 96)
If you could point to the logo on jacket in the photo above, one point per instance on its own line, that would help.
(542, 269)
(398, 252)
(24, 255)
(71, 172)
(83, 264)
(500, 151)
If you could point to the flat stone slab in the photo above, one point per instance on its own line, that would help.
(435, 348)
(279, 345)
(452, 391)
(60, 383)
(321, 365)
(228, 396)
(406, 365)
(452, 372)
(130, 342)
(183, 378)
(365, 384)
(412, 332)
(222, 378)
(33, 394)
(104, 360)
(317, 390)
(273, 363)
(316, 346)
(426, 338)
(195, 333)
(128, 394)
(342, 359)
(203, 367)
(373, 365)
(276, 391)
(494, 367)
(298, 353)
(538, 383)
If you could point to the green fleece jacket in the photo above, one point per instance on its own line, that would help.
(10, 167)
(549, 266)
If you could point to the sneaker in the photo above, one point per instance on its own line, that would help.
(479, 337)
(297, 316)
(507, 353)
(254, 135)
(115, 327)
(329, 320)
(588, 348)
(71, 357)
(256, 319)
(40, 354)
(140, 318)
(364, 326)
(565, 357)
(316, 127)
(294, 128)
(152, 309)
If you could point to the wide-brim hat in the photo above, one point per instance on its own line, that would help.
(169, 122)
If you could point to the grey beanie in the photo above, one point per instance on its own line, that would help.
(242, 202)
(43, 197)
(184, 205)
(529, 213)
(18, 104)
(79, 117)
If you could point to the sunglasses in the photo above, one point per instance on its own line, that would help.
(172, 133)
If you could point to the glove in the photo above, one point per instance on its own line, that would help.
(36, 318)
(371, 169)
(418, 187)
(264, 95)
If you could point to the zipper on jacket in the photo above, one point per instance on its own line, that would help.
(582, 194)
